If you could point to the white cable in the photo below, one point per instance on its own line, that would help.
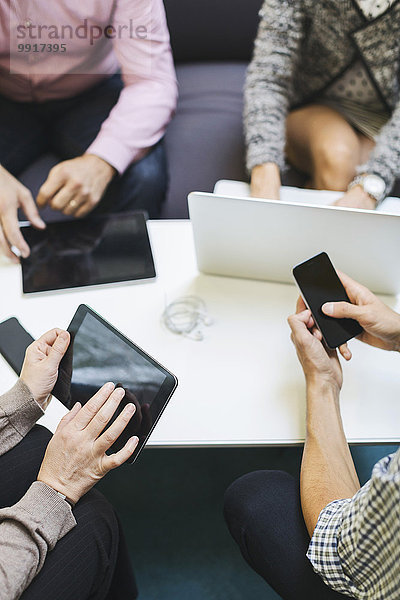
(187, 316)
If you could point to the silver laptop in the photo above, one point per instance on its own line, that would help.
(264, 239)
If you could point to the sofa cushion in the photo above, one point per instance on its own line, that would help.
(205, 141)
(204, 30)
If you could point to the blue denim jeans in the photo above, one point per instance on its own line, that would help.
(67, 128)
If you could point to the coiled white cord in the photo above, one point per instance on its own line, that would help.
(187, 316)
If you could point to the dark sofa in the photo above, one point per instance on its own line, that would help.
(212, 42)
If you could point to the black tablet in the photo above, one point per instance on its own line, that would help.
(96, 250)
(99, 353)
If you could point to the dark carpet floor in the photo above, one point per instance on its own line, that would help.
(170, 504)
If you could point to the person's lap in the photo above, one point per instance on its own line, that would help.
(84, 563)
(263, 513)
(22, 136)
(319, 138)
(67, 128)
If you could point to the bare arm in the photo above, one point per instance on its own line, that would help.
(266, 181)
(327, 469)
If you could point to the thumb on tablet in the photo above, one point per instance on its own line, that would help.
(59, 347)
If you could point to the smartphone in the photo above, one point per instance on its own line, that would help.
(319, 283)
(14, 340)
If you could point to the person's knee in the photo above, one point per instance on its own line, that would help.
(89, 551)
(334, 162)
(250, 497)
(145, 183)
(95, 515)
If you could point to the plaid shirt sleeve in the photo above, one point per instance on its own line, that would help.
(355, 546)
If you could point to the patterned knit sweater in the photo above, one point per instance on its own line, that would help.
(302, 47)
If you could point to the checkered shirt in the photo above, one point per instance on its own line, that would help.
(355, 547)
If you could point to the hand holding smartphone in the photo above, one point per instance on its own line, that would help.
(319, 283)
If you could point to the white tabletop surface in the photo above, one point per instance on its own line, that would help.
(243, 384)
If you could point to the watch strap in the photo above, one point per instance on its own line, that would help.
(64, 497)
(359, 180)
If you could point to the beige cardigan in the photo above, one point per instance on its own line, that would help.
(32, 527)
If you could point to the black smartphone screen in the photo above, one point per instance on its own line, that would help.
(319, 283)
(14, 340)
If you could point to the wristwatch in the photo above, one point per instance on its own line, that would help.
(64, 497)
(372, 184)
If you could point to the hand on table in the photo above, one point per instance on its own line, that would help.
(75, 187)
(381, 324)
(356, 198)
(76, 456)
(320, 364)
(14, 195)
(266, 182)
(42, 359)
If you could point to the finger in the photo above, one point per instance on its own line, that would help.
(92, 406)
(105, 414)
(30, 209)
(12, 232)
(299, 320)
(50, 336)
(73, 206)
(345, 352)
(107, 439)
(5, 248)
(342, 310)
(311, 322)
(317, 334)
(298, 324)
(62, 198)
(300, 305)
(58, 348)
(84, 210)
(353, 288)
(49, 189)
(342, 201)
(69, 416)
(116, 460)
(131, 398)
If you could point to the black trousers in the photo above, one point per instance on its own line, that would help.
(67, 128)
(91, 561)
(263, 513)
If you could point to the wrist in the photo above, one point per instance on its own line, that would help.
(70, 495)
(108, 170)
(62, 496)
(267, 170)
(372, 185)
(368, 200)
(321, 389)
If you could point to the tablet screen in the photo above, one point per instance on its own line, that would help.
(99, 353)
(96, 250)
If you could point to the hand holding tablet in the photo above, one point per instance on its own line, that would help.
(99, 353)
(76, 456)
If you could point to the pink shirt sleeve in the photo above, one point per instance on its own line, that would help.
(148, 100)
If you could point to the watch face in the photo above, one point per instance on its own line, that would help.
(374, 185)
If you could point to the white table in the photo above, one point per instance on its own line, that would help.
(243, 384)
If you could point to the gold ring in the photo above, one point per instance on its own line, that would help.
(73, 203)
